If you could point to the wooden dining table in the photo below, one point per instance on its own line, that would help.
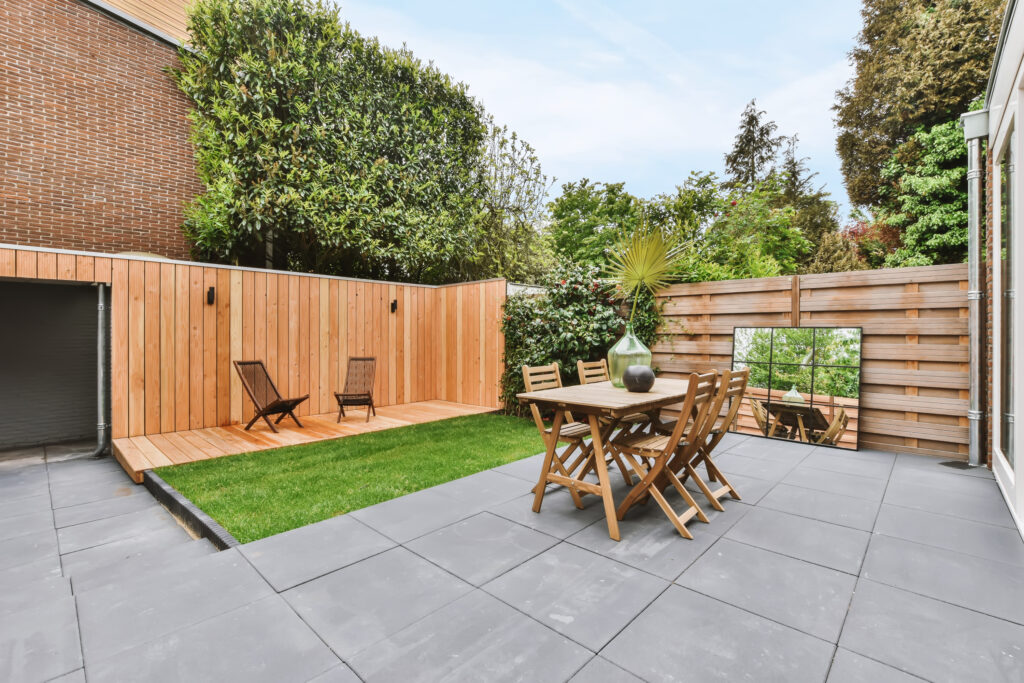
(604, 406)
(797, 419)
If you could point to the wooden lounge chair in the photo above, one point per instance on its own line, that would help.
(835, 431)
(264, 395)
(358, 386)
(652, 455)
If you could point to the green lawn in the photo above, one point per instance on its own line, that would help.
(255, 495)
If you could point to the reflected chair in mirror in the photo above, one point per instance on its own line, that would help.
(358, 389)
(264, 395)
(573, 433)
(729, 397)
(835, 431)
(760, 414)
(651, 455)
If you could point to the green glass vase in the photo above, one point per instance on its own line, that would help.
(627, 351)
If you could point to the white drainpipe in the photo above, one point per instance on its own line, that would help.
(975, 125)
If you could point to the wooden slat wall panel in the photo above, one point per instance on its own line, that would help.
(915, 345)
(171, 351)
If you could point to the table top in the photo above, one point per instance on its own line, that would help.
(604, 397)
(792, 409)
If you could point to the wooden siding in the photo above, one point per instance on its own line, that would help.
(170, 17)
(171, 352)
(914, 378)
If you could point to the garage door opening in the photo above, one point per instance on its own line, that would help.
(48, 363)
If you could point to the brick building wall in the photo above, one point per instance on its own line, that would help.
(94, 149)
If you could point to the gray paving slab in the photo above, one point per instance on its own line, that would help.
(16, 458)
(751, 489)
(476, 638)
(262, 641)
(114, 563)
(976, 583)
(70, 450)
(117, 485)
(130, 525)
(649, 541)
(932, 639)
(943, 477)
(837, 547)
(804, 596)
(936, 464)
(117, 617)
(558, 516)
(757, 467)
(355, 607)
(403, 519)
(686, 636)
(103, 509)
(942, 531)
(338, 674)
(850, 667)
(483, 489)
(580, 594)
(12, 578)
(853, 485)
(40, 642)
(34, 592)
(835, 461)
(857, 513)
(83, 470)
(28, 548)
(600, 670)
(482, 547)
(76, 676)
(988, 508)
(39, 502)
(299, 555)
(27, 523)
(865, 454)
(760, 446)
(527, 469)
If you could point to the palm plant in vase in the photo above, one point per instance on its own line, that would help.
(643, 259)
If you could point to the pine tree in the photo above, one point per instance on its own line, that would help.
(754, 149)
(837, 253)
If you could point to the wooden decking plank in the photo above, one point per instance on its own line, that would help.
(155, 456)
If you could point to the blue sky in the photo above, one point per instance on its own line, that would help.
(640, 92)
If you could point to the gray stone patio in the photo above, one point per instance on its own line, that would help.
(836, 566)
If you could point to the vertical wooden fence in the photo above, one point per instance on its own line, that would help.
(914, 373)
(171, 351)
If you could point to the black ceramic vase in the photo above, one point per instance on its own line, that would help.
(638, 378)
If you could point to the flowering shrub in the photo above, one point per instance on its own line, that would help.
(578, 318)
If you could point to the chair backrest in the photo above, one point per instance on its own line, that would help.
(836, 428)
(592, 371)
(538, 378)
(257, 382)
(359, 377)
(731, 387)
(760, 415)
(697, 404)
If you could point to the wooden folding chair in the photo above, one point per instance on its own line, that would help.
(651, 454)
(264, 395)
(731, 387)
(760, 414)
(835, 431)
(538, 378)
(358, 389)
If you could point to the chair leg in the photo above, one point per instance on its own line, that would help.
(253, 420)
(341, 411)
(370, 407)
(295, 417)
(269, 423)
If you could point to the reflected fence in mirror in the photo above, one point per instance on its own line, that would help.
(804, 383)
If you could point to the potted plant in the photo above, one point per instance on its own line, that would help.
(643, 259)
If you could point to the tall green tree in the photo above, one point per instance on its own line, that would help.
(754, 148)
(927, 179)
(322, 150)
(586, 217)
(917, 63)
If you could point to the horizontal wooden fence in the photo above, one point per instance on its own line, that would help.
(914, 374)
(171, 351)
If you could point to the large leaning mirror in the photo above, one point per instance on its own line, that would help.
(804, 383)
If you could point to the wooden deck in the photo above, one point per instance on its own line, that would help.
(140, 453)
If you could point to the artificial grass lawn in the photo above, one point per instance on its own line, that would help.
(255, 495)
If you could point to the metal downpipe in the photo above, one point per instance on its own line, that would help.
(975, 292)
(102, 433)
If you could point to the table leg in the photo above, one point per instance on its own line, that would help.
(602, 476)
(775, 425)
(800, 424)
(556, 428)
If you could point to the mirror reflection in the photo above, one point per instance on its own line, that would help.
(804, 383)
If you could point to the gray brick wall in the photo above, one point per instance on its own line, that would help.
(47, 363)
